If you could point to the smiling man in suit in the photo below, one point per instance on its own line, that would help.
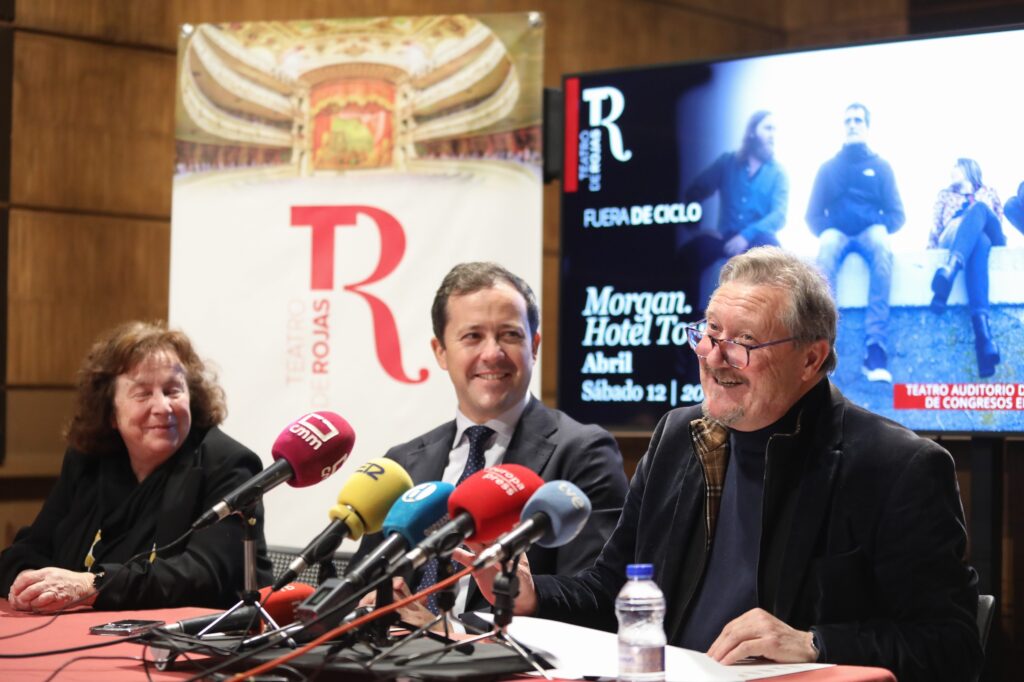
(486, 336)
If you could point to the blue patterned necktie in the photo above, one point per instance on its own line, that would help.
(478, 437)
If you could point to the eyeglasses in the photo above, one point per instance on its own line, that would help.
(736, 354)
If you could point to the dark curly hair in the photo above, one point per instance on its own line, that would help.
(92, 428)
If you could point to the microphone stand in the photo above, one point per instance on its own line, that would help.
(251, 590)
(506, 589)
(445, 602)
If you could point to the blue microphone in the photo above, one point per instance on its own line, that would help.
(409, 521)
(417, 512)
(553, 516)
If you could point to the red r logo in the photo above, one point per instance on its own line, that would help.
(323, 220)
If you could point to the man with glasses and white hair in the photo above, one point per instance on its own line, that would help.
(783, 521)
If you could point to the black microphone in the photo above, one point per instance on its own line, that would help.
(279, 605)
(239, 620)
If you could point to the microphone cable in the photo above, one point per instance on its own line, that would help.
(76, 659)
(347, 627)
(76, 602)
(330, 634)
(237, 655)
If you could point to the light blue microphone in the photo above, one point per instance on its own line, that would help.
(417, 511)
(552, 517)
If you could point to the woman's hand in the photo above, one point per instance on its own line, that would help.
(50, 589)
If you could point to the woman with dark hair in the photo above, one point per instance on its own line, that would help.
(968, 218)
(145, 459)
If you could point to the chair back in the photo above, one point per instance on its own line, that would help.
(282, 556)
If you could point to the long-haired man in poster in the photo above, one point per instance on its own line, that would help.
(753, 194)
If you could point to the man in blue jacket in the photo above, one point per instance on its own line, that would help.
(854, 207)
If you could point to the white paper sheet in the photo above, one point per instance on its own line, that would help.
(584, 652)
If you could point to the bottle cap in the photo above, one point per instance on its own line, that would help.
(640, 571)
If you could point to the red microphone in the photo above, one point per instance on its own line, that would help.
(280, 605)
(309, 450)
(483, 507)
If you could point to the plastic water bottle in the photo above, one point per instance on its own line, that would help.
(640, 608)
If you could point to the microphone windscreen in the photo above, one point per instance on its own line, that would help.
(493, 497)
(368, 494)
(567, 507)
(315, 445)
(281, 604)
(417, 510)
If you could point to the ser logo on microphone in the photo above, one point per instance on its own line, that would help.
(371, 469)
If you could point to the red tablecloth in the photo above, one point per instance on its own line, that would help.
(108, 664)
(111, 664)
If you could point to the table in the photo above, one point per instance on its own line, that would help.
(72, 629)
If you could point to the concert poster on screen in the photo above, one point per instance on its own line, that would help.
(658, 180)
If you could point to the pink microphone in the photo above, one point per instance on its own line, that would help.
(309, 450)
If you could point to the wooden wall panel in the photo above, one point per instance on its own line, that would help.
(72, 276)
(812, 22)
(155, 22)
(140, 22)
(92, 127)
(33, 443)
(14, 514)
(765, 13)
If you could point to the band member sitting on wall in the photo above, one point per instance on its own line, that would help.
(967, 221)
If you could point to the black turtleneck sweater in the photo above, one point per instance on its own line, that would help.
(729, 588)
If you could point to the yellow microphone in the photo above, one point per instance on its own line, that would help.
(363, 503)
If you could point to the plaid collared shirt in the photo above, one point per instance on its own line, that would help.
(711, 443)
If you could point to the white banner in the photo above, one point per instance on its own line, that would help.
(329, 174)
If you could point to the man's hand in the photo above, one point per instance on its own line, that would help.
(736, 245)
(526, 601)
(758, 633)
(415, 613)
(50, 589)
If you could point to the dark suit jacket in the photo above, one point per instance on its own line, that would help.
(863, 538)
(558, 448)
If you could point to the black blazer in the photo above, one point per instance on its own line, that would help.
(557, 447)
(207, 570)
(863, 538)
